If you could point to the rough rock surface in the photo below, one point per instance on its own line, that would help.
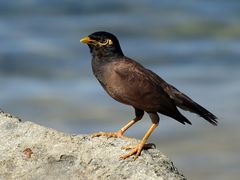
(30, 151)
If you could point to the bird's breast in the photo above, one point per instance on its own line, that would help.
(111, 82)
(127, 88)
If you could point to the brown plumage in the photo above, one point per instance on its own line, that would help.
(130, 83)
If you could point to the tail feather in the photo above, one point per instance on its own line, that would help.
(182, 119)
(184, 102)
(201, 111)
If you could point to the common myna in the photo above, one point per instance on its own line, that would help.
(130, 83)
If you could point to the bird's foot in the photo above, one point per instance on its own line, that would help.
(136, 150)
(117, 134)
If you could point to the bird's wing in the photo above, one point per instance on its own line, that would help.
(186, 103)
(183, 101)
(141, 88)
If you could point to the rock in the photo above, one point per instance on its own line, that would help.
(30, 151)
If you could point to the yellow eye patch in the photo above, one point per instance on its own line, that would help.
(107, 42)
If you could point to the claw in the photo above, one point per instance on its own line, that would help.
(117, 134)
(136, 150)
(146, 146)
(128, 147)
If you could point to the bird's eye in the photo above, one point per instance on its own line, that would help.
(106, 42)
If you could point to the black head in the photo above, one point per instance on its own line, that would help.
(103, 44)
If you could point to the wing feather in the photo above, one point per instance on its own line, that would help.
(146, 90)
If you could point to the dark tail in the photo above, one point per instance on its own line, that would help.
(180, 118)
(186, 103)
(201, 111)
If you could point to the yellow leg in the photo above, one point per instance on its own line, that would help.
(138, 148)
(118, 133)
(138, 113)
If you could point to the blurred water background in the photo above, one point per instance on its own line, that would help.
(45, 73)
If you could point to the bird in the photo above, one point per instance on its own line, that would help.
(130, 83)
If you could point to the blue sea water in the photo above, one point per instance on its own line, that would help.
(45, 73)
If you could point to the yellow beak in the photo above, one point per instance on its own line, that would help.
(87, 40)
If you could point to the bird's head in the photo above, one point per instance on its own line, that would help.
(103, 44)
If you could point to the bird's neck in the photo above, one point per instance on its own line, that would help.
(106, 53)
(103, 56)
(100, 62)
